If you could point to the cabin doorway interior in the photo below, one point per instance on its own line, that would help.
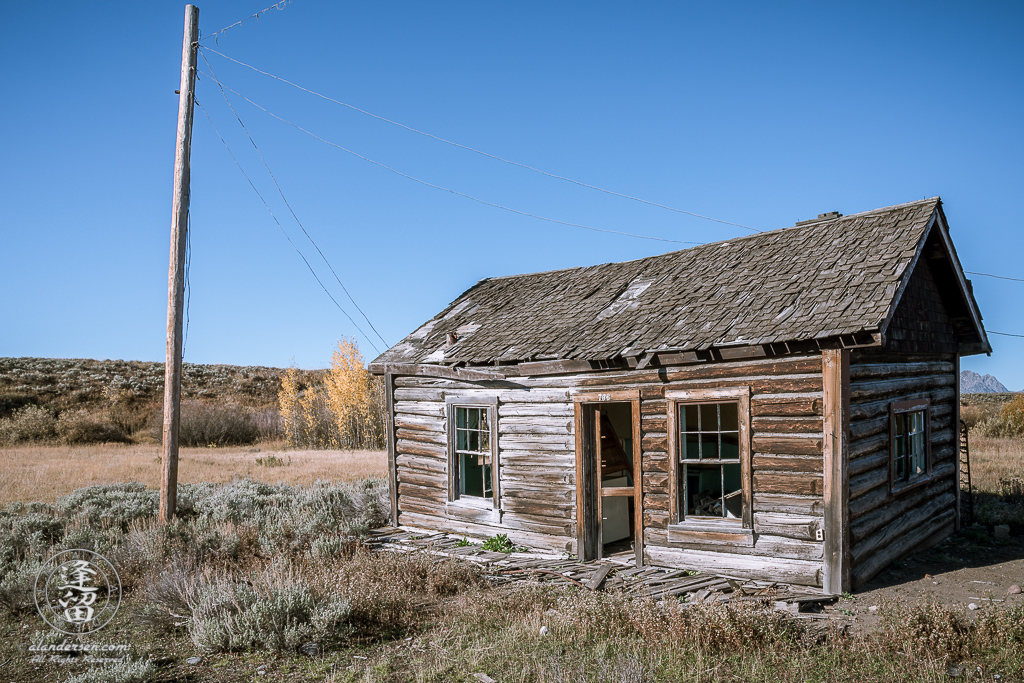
(608, 492)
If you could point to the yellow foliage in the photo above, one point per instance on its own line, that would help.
(288, 403)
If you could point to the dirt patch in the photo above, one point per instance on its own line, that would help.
(971, 567)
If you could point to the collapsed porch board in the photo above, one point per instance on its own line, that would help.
(616, 573)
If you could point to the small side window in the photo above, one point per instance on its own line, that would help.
(910, 442)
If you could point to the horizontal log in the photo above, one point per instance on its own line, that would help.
(930, 515)
(537, 442)
(422, 395)
(763, 546)
(656, 424)
(862, 371)
(795, 484)
(676, 535)
(788, 445)
(655, 519)
(862, 429)
(867, 409)
(786, 406)
(419, 462)
(534, 409)
(789, 463)
(427, 495)
(436, 438)
(871, 479)
(865, 525)
(542, 541)
(871, 444)
(879, 496)
(533, 430)
(655, 483)
(655, 463)
(655, 442)
(427, 370)
(862, 391)
(425, 408)
(554, 495)
(800, 527)
(870, 461)
(656, 501)
(806, 573)
(915, 538)
(797, 505)
(417, 448)
(787, 425)
(432, 480)
(655, 407)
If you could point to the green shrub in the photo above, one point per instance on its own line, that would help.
(81, 426)
(110, 505)
(125, 671)
(28, 424)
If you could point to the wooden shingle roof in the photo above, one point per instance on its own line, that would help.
(830, 278)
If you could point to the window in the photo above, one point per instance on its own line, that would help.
(910, 444)
(710, 481)
(473, 450)
(472, 437)
(709, 442)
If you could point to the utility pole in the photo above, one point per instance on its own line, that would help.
(176, 271)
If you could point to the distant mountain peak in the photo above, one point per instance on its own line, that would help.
(973, 383)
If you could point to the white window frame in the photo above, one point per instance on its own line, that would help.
(490, 403)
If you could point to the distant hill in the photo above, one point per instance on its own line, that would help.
(973, 383)
(60, 384)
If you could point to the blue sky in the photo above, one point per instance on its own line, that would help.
(761, 114)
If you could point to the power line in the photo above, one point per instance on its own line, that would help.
(447, 189)
(281, 227)
(288, 204)
(479, 151)
(1000, 277)
(1005, 334)
(279, 5)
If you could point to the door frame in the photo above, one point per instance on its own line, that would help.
(588, 494)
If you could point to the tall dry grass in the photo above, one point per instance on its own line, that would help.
(993, 459)
(46, 472)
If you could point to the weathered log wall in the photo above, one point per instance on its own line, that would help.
(885, 525)
(536, 472)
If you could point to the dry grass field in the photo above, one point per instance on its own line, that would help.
(995, 459)
(46, 472)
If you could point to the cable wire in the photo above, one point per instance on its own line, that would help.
(1005, 334)
(288, 204)
(1000, 277)
(443, 188)
(280, 5)
(281, 227)
(479, 151)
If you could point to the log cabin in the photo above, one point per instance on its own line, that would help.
(781, 406)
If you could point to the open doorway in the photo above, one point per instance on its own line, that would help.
(608, 485)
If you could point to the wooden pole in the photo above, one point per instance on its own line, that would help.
(176, 270)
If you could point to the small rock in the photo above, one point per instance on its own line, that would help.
(928, 576)
(1001, 531)
(972, 606)
(1014, 590)
(544, 630)
(953, 671)
(260, 668)
(194, 660)
(873, 608)
(311, 649)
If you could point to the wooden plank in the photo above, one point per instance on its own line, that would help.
(788, 425)
(427, 370)
(786, 406)
(776, 569)
(788, 463)
(786, 483)
(417, 448)
(788, 444)
(804, 528)
(438, 438)
(554, 367)
(428, 409)
(786, 504)
(534, 409)
(676, 534)
(599, 576)
(836, 395)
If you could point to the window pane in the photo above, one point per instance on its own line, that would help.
(729, 417)
(471, 476)
(706, 497)
(709, 418)
(472, 418)
(688, 418)
(460, 417)
(692, 447)
(487, 483)
(709, 446)
(900, 464)
(483, 419)
(917, 464)
(460, 440)
(900, 421)
(485, 441)
(730, 446)
(917, 421)
(733, 490)
(473, 441)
